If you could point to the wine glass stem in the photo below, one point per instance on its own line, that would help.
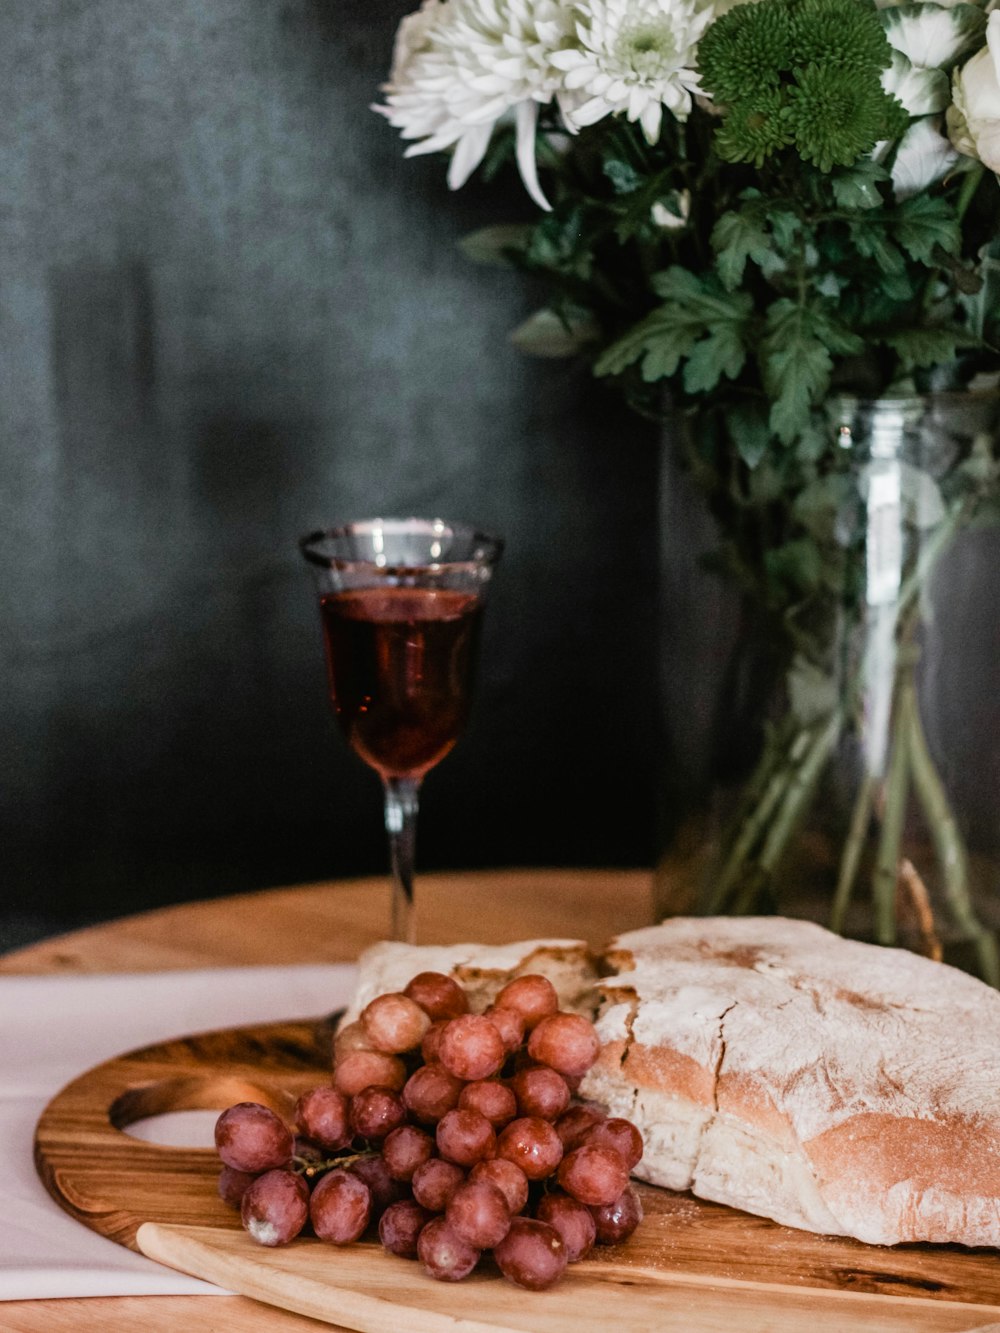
(401, 804)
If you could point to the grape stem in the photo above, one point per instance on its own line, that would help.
(302, 1166)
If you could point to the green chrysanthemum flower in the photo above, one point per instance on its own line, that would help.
(754, 129)
(746, 50)
(841, 33)
(800, 72)
(833, 119)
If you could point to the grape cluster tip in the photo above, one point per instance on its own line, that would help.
(452, 1134)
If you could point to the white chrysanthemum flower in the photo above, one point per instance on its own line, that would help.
(633, 57)
(461, 66)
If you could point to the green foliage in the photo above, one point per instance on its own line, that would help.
(756, 262)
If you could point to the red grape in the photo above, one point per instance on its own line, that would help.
(375, 1174)
(275, 1207)
(435, 1182)
(358, 1070)
(430, 1092)
(406, 1148)
(478, 1213)
(465, 1137)
(438, 995)
(430, 1047)
(340, 1207)
(574, 1123)
(594, 1175)
(567, 1043)
(532, 1254)
(532, 1144)
(351, 1037)
(540, 1091)
(471, 1048)
(445, 1255)
(376, 1112)
(616, 1221)
(619, 1134)
(573, 1221)
(306, 1152)
(394, 1023)
(510, 1179)
(250, 1137)
(321, 1114)
(493, 1100)
(510, 1024)
(233, 1185)
(534, 997)
(400, 1226)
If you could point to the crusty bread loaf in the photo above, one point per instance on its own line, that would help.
(830, 1085)
(482, 970)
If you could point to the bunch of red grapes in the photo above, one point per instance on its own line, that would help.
(455, 1133)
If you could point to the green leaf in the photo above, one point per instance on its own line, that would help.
(797, 565)
(737, 237)
(492, 245)
(923, 223)
(660, 340)
(749, 430)
(548, 333)
(796, 368)
(695, 309)
(721, 353)
(871, 242)
(623, 176)
(928, 347)
(858, 187)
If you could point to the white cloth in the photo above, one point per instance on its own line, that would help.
(54, 1028)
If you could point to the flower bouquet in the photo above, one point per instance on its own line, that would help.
(780, 222)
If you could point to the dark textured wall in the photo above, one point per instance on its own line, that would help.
(230, 312)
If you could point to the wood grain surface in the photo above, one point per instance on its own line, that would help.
(115, 1184)
(333, 922)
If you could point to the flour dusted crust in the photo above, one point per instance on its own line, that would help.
(830, 1085)
(482, 970)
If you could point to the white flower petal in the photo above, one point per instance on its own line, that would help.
(921, 91)
(469, 152)
(922, 158)
(527, 121)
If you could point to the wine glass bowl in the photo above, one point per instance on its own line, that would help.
(401, 603)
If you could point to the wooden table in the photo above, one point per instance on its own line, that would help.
(332, 923)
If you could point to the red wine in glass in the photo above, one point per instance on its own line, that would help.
(400, 664)
(401, 602)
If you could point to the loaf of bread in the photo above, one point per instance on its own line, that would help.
(482, 970)
(831, 1085)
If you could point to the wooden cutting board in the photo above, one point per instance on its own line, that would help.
(688, 1255)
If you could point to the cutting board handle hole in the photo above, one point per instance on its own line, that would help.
(181, 1112)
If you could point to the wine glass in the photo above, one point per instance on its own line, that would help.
(401, 602)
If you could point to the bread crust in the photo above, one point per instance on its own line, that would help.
(836, 1086)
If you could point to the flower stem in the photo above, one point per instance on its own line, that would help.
(799, 793)
(887, 862)
(947, 839)
(755, 824)
(851, 856)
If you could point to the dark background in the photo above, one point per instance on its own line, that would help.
(230, 312)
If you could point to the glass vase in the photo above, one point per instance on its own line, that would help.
(834, 744)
